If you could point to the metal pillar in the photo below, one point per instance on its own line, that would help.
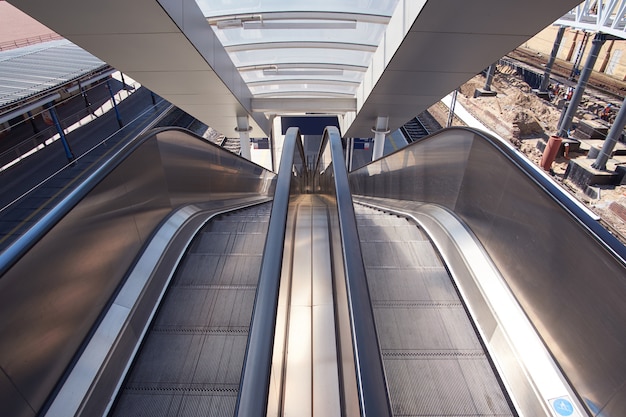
(555, 50)
(379, 136)
(351, 155)
(611, 138)
(124, 86)
(451, 111)
(579, 55)
(117, 112)
(490, 71)
(66, 145)
(32, 122)
(244, 129)
(83, 92)
(566, 123)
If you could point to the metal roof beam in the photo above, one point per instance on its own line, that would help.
(244, 47)
(300, 105)
(273, 16)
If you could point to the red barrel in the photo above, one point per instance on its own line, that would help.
(549, 153)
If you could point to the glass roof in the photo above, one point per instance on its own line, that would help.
(295, 48)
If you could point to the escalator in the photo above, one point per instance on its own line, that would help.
(370, 294)
(191, 359)
(434, 361)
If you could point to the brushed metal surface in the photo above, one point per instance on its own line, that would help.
(332, 182)
(79, 263)
(311, 377)
(562, 266)
(255, 380)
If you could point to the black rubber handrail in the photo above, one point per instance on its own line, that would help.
(371, 381)
(255, 379)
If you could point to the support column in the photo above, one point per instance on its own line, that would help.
(32, 122)
(611, 138)
(351, 154)
(244, 129)
(57, 124)
(566, 122)
(490, 71)
(380, 131)
(83, 93)
(555, 50)
(452, 106)
(117, 112)
(486, 91)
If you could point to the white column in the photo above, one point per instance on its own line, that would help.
(379, 136)
(243, 127)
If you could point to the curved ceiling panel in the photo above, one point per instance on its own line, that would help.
(297, 48)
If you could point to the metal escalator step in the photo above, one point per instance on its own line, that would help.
(191, 361)
(434, 362)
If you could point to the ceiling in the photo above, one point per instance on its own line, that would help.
(222, 60)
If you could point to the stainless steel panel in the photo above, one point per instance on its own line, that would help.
(297, 399)
(326, 388)
(255, 379)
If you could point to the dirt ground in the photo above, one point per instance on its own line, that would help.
(522, 117)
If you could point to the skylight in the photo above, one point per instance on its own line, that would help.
(305, 49)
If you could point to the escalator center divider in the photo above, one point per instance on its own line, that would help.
(254, 386)
(370, 394)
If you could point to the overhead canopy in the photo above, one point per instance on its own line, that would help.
(361, 59)
(34, 70)
(282, 51)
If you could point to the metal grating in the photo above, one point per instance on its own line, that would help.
(433, 359)
(191, 361)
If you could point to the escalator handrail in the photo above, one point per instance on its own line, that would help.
(254, 386)
(371, 381)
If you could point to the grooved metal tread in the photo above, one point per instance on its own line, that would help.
(191, 360)
(434, 362)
